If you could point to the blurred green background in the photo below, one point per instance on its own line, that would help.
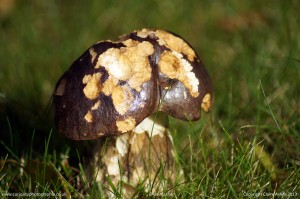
(250, 49)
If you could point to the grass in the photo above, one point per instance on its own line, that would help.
(248, 145)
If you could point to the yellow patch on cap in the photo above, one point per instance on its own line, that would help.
(126, 125)
(88, 117)
(176, 44)
(122, 98)
(206, 102)
(173, 65)
(109, 85)
(96, 105)
(93, 86)
(145, 33)
(128, 63)
(116, 63)
(141, 67)
(93, 54)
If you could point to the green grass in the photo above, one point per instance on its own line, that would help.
(248, 145)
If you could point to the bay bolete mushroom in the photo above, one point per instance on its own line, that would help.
(122, 91)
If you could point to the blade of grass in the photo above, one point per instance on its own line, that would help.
(269, 107)
(10, 132)
(10, 151)
(45, 158)
(31, 144)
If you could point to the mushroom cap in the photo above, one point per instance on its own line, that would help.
(114, 86)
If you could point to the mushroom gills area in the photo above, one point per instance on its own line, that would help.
(136, 157)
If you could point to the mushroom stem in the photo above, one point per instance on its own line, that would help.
(144, 155)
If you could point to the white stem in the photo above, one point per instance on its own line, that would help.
(137, 156)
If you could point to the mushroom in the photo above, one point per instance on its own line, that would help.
(121, 93)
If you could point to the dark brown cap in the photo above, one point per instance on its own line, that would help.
(113, 86)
